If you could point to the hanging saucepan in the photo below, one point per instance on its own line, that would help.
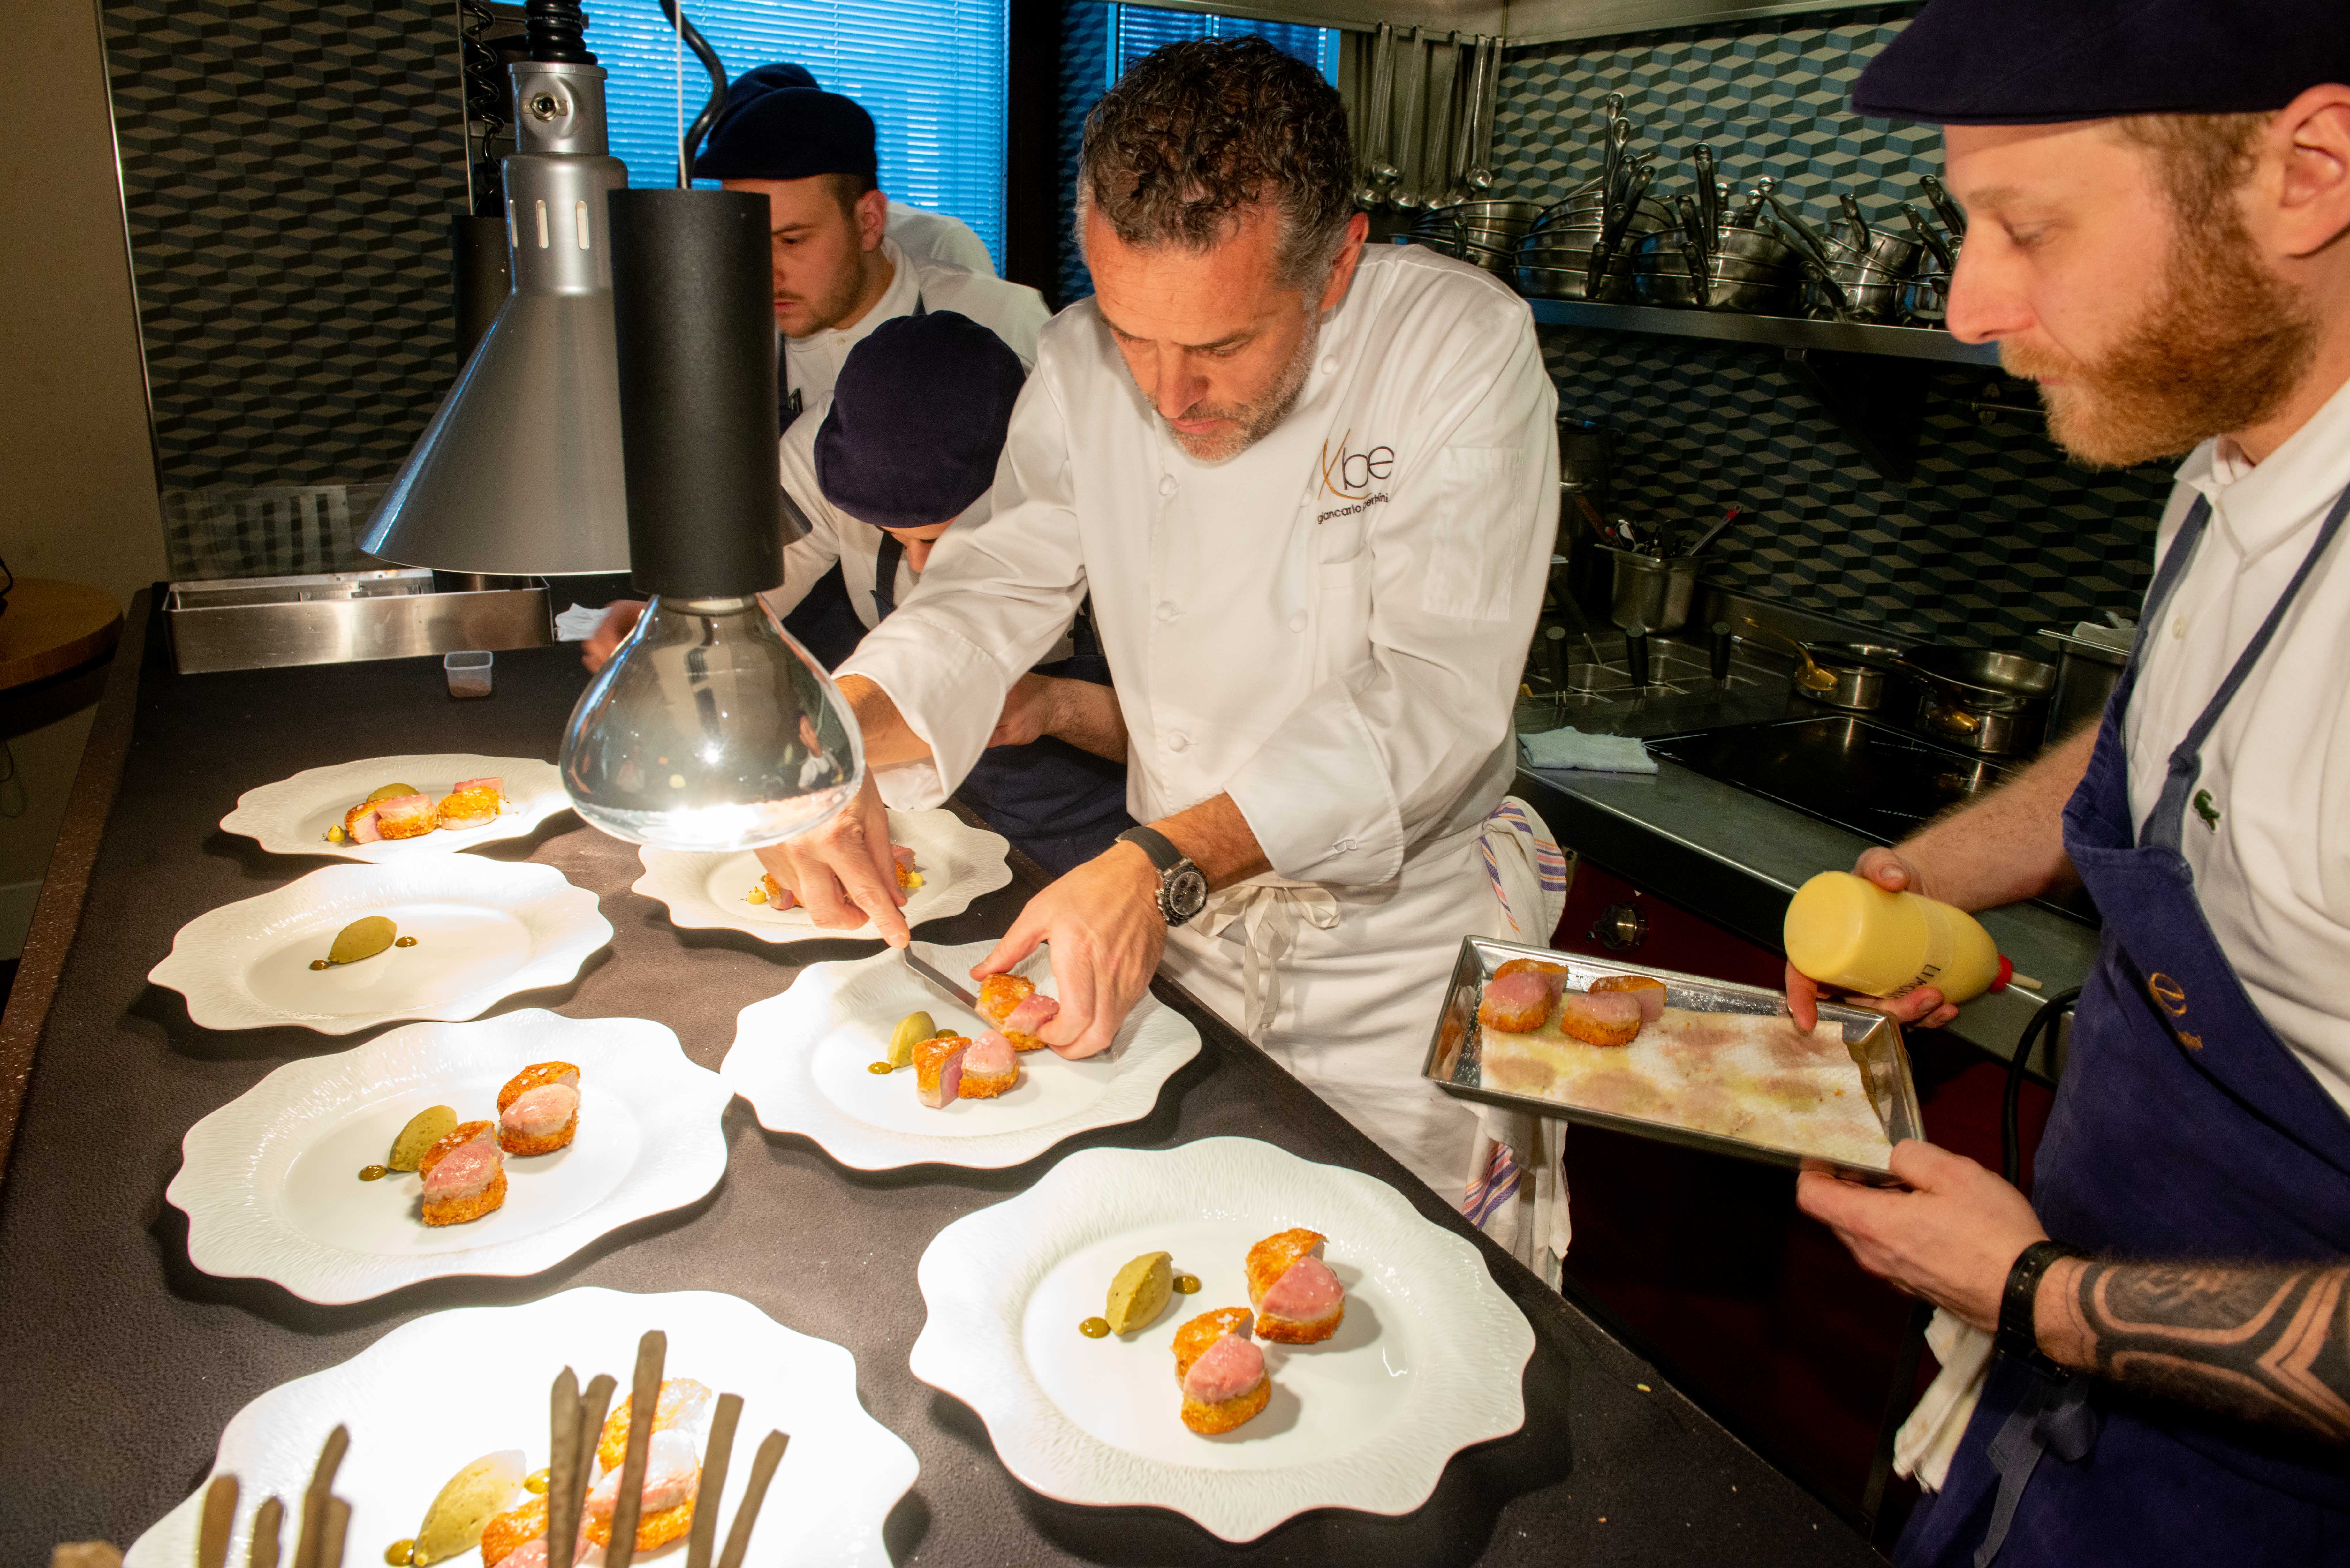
(1867, 675)
(1994, 703)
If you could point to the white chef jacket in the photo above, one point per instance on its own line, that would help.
(938, 236)
(2273, 873)
(1329, 627)
(1013, 311)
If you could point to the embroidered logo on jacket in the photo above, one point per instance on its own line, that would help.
(1351, 476)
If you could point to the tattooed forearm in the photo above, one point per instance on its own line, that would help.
(2269, 1346)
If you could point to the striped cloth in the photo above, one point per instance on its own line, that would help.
(1495, 1186)
(1550, 861)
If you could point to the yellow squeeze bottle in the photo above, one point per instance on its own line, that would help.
(1846, 931)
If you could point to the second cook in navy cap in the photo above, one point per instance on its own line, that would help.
(2148, 1360)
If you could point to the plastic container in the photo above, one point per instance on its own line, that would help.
(1846, 931)
(468, 674)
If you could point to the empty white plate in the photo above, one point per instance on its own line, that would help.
(1429, 1359)
(292, 816)
(490, 1368)
(802, 1061)
(484, 929)
(270, 1181)
(706, 890)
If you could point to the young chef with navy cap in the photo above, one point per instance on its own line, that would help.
(903, 449)
(837, 275)
(919, 233)
(1311, 489)
(2158, 204)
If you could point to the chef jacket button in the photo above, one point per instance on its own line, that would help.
(1177, 740)
(1166, 484)
(1330, 365)
(1167, 610)
(1342, 846)
(1297, 621)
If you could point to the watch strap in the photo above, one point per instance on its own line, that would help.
(2019, 1333)
(1162, 849)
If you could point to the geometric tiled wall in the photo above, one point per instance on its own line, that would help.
(1995, 536)
(289, 167)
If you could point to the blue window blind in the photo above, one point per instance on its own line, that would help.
(1138, 29)
(930, 72)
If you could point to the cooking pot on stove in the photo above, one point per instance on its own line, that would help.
(1994, 703)
(1867, 676)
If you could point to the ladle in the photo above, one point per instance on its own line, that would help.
(1811, 677)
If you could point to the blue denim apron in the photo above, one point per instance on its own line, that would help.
(2184, 1129)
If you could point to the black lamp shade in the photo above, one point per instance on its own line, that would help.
(693, 300)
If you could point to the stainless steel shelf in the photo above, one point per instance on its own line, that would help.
(1776, 331)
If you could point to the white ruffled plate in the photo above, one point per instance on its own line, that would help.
(801, 1060)
(492, 1366)
(292, 816)
(1428, 1360)
(704, 891)
(270, 1181)
(484, 929)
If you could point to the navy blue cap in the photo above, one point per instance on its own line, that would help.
(759, 81)
(917, 421)
(789, 133)
(2043, 62)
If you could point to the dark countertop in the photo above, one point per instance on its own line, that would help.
(124, 1362)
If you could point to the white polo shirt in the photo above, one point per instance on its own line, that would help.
(2274, 872)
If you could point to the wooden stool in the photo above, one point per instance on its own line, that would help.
(52, 630)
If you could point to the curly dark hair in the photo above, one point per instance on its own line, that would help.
(1197, 130)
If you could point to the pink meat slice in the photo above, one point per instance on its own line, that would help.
(1652, 1003)
(783, 898)
(362, 827)
(496, 785)
(672, 1474)
(1308, 1292)
(404, 809)
(1527, 988)
(1034, 1011)
(989, 1055)
(541, 1111)
(464, 1170)
(1225, 1370)
(1610, 1009)
(949, 1081)
(902, 856)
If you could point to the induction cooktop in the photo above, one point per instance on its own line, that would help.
(1862, 776)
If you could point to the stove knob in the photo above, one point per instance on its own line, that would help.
(1620, 928)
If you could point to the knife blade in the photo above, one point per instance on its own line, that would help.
(928, 975)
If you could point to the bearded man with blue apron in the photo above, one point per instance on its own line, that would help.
(2149, 1360)
(884, 468)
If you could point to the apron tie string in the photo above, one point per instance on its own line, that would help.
(2052, 1417)
(1268, 913)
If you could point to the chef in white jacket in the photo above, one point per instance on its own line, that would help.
(1312, 490)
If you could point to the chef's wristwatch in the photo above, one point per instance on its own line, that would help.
(1183, 888)
(2019, 1333)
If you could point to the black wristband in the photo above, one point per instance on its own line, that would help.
(2019, 1333)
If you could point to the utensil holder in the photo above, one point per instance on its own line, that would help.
(1649, 592)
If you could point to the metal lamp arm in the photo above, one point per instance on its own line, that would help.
(710, 111)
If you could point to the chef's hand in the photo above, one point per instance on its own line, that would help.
(1923, 1007)
(1103, 923)
(1951, 1238)
(843, 871)
(619, 620)
(1028, 711)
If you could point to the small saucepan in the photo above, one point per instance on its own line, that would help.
(1994, 703)
(1867, 675)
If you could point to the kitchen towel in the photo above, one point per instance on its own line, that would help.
(1928, 1441)
(577, 624)
(1571, 747)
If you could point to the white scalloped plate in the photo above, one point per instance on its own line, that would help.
(270, 1181)
(704, 891)
(1428, 1360)
(485, 929)
(492, 1366)
(801, 1060)
(292, 816)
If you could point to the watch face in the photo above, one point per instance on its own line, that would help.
(1186, 891)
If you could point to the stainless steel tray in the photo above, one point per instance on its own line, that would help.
(257, 623)
(1875, 1041)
